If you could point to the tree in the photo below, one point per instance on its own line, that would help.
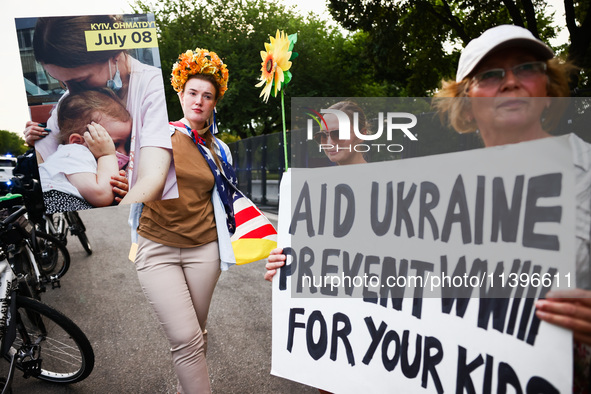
(426, 30)
(11, 143)
(236, 30)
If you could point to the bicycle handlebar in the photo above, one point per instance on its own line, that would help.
(13, 216)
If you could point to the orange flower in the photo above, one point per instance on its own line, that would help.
(201, 61)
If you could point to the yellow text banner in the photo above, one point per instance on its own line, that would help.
(109, 40)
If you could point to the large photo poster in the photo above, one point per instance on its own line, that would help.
(403, 279)
(95, 89)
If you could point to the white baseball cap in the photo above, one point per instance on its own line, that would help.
(498, 37)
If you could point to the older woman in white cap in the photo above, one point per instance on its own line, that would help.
(505, 61)
(519, 72)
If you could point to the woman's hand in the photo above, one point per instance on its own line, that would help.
(569, 309)
(120, 186)
(276, 260)
(99, 141)
(35, 131)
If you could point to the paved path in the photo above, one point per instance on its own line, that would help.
(102, 295)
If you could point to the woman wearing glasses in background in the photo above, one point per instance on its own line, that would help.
(340, 152)
(518, 74)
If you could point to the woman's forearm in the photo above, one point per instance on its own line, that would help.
(152, 171)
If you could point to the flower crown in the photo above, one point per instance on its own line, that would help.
(200, 61)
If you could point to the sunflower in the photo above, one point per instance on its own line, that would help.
(276, 63)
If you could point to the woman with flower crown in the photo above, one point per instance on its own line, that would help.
(184, 243)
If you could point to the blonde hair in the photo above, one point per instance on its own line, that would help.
(351, 107)
(454, 112)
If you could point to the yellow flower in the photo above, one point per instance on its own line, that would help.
(268, 71)
(275, 63)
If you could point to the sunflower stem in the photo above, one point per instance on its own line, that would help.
(284, 131)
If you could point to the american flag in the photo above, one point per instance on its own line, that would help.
(252, 234)
(255, 236)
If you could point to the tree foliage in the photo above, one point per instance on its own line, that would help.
(395, 48)
(412, 41)
(11, 143)
(237, 30)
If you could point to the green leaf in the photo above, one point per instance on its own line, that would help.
(286, 78)
(293, 56)
(293, 38)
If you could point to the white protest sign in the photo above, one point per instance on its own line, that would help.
(475, 236)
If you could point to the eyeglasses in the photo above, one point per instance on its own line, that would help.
(322, 136)
(523, 72)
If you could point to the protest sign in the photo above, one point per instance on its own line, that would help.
(420, 275)
(96, 94)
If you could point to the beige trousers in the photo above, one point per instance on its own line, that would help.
(179, 284)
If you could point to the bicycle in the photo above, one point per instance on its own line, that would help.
(37, 258)
(60, 223)
(35, 338)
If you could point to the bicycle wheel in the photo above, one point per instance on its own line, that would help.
(51, 254)
(85, 242)
(65, 353)
(28, 285)
(78, 229)
(3, 386)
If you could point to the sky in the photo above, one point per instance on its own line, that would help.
(14, 112)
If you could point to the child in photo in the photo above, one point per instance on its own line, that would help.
(94, 138)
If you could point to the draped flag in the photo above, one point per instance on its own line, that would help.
(255, 236)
